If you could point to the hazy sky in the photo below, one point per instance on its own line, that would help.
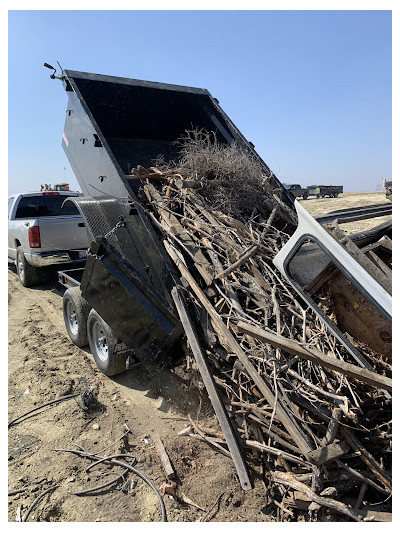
(311, 89)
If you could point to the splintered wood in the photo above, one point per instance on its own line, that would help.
(308, 417)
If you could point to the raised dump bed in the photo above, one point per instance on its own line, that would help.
(113, 128)
(113, 125)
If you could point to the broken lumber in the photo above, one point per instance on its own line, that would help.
(165, 461)
(223, 331)
(288, 402)
(245, 257)
(328, 453)
(223, 418)
(202, 264)
(284, 478)
(293, 347)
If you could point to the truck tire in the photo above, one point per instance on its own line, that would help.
(28, 274)
(305, 196)
(335, 194)
(103, 345)
(76, 311)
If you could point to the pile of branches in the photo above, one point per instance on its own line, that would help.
(317, 425)
(227, 177)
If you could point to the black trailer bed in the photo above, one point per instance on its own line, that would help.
(113, 125)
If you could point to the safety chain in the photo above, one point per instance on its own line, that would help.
(99, 257)
(119, 224)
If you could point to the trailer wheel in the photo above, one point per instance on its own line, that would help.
(335, 194)
(103, 345)
(76, 311)
(305, 196)
(28, 274)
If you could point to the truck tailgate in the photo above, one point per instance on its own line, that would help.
(62, 233)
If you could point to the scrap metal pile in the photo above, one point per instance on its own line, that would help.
(291, 403)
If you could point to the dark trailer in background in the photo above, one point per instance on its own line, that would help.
(112, 125)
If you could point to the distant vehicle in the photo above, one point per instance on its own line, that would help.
(42, 232)
(297, 190)
(325, 190)
(387, 185)
(58, 187)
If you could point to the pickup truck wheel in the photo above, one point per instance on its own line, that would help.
(103, 343)
(76, 311)
(28, 274)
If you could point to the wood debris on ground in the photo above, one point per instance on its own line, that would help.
(315, 424)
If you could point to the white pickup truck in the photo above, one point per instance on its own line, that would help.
(43, 232)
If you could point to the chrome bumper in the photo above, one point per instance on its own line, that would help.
(41, 259)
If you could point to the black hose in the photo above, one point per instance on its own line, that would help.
(108, 483)
(41, 406)
(131, 468)
(103, 486)
(149, 483)
(32, 505)
(102, 459)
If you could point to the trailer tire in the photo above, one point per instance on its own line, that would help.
(76, 311)
(305, 196)
(103, 344)
(28, 274)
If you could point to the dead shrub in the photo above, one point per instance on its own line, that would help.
(233, 181)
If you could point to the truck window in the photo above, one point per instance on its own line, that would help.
(44, 206)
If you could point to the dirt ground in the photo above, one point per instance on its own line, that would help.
(44, 365)
(345, 201)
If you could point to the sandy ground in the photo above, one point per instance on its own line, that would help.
(44, 365)
(345, 201)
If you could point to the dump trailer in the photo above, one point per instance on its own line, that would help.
(121, 303)
(325, 190)
(112, 126)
